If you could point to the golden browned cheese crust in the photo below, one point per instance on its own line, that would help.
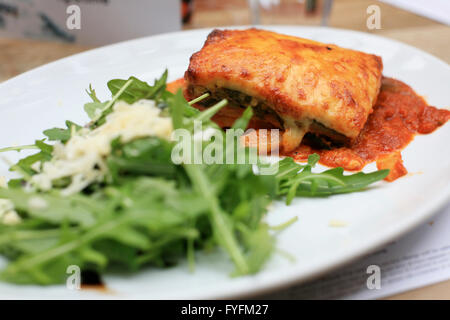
(299, 78)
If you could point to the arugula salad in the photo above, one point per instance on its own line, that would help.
(108, 195)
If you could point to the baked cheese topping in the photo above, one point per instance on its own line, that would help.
(294, 133)
(82, 158)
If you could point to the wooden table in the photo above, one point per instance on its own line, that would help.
(17, 56)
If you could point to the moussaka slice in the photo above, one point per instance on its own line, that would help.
(295, 84)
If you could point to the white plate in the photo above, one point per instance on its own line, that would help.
(47, 96)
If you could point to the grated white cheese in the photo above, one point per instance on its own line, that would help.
(37, 203)
(83, 157)
(3, 183)
(7, 213)
(36, 166)
(11, 217)
(5, 206)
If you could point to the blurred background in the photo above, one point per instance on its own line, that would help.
(34, 32)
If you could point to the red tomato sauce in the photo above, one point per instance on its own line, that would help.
(398, 115)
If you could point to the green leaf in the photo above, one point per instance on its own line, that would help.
(93, 256)
(130, 237)
(243, 121)
(177, 107)
(45, 148)
(139, 89)
(220, 222)
(207, 114)
(259, 244)
(92, 94)
(52, 208)
(313, 159)
(325, 183)
(94, 109)
(99, 115)
(62, 135)
(146, 156)
(24, 165)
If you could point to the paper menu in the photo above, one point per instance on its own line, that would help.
(420, 258)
